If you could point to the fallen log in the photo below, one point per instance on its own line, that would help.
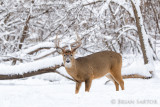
(34, 73)
(28, 74)
(133, 76)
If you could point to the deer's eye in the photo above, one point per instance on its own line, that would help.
(71, 55)
(64, 55)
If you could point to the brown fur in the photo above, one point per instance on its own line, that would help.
(85, 69)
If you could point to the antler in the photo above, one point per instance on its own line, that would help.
(57, 44)
(77, 41)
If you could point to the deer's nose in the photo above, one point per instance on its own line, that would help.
(67, 61)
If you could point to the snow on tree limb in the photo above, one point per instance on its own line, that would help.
(122, 3)
(49, 65)
(31, 66)
(28, 74)
(104, 7)
(127, 26)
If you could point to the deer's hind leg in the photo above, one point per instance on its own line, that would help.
(109, 76)
(118, 78)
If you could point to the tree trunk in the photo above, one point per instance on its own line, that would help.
(137, 19)
(24, 32)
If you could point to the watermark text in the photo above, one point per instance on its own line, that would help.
(135, 101)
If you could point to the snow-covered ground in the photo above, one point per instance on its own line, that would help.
(37, 91)
(40, 93)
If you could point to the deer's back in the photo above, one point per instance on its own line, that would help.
(100, 63)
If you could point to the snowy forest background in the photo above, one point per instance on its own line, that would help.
(28, 29)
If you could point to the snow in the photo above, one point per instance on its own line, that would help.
(126, 5)
(127, 26)
(104, 7)
(31, 66)
(39, 45)
(40, 93)
(117, 10)
(43, 53)
(51, 89)
(136, 68)
(131, 65)
(23, 54)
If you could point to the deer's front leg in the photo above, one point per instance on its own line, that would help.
(88, 83)
(78, 85)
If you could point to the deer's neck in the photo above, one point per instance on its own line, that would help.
(74, 72)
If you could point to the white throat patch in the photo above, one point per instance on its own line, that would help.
(68, 65)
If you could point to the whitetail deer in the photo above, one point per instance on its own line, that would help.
(85, 69)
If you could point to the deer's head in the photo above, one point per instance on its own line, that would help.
(68, 55)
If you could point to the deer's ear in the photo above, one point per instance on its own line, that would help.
(74, 52)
